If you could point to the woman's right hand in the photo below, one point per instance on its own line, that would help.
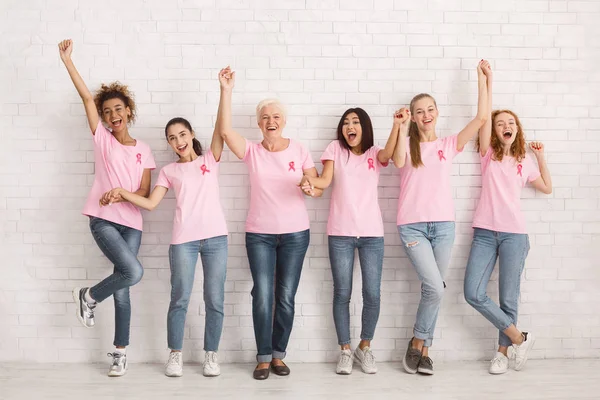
(402, 117)
(307, 186)
(112, 196)
(65, 48)
(226, 78)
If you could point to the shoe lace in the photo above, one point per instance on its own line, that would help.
(89, 310)
(427, 361)
(211, 358)
(496, 362)
(117, 358)
(174, 358)
(414, 356)
(345, 358)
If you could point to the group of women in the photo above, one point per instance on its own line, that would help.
(281, 173)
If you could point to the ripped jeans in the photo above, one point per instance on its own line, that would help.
(428, 245)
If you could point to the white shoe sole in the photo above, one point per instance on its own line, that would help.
(497, 372)
(359, 362)
(175, 374)
(116, 374)
(211, 374)
(76, 299)
(343, 372)
(406, 368)
(425, 371)
(522, 365)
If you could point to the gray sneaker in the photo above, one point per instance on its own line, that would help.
(119, 364)
(84, 311)
(425, 366)
(411, 359)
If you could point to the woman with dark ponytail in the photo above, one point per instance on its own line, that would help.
(199, 227)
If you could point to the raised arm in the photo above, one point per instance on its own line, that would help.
(485, 132)
(235, 141)
(476, 123)
(65, 49)
(544, 182)
(216, 144)
(387, 152)
(147, 203)
(401, 125)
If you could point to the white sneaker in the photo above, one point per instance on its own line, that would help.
(119, 364)
(366, 359)
(522, 350)
(499, 364)
(174, 366)
(344, 365)
(211, 364)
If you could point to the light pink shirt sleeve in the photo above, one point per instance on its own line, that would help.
(533, 170)
(329, 153)
(163, 180)
(307, 161)
(450, 143)
(149, 162)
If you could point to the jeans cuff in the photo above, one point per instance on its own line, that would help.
(341, 343)
(369, 338)
(279, 354)
(264, 358)
(421, 335)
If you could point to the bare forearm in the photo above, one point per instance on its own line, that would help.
(78, 82)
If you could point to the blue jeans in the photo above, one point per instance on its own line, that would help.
(120, 244)
(487, 247)
(428, 245)
(182, 259)
(341, 256)
(275, 260)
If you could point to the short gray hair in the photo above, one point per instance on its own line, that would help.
(270, 102)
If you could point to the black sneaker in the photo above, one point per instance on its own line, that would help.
(411, 359)
(84, 311)
(425, 366)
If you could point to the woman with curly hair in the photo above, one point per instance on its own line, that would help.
(500, 231)
(120, 161)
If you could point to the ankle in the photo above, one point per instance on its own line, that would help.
(363, 344)
(418, 344)
(345, 347)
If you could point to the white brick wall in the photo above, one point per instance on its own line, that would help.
(319, 57)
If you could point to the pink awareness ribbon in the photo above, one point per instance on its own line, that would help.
(371, 164)
(520, 169)
(139, 158)
(441, 155)
(291, 168)
(204, 169)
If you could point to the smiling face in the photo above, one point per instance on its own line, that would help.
(352, 130)
(180, 139)
(505, 128)
(271, 121)
(115, 114)
(425, 113)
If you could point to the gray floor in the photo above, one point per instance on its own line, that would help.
(542, 379)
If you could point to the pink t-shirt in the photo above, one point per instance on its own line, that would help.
(499, 207)
(276, 201)
(117, 166)
(198, 214)
(354, 206)
(425, 192)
